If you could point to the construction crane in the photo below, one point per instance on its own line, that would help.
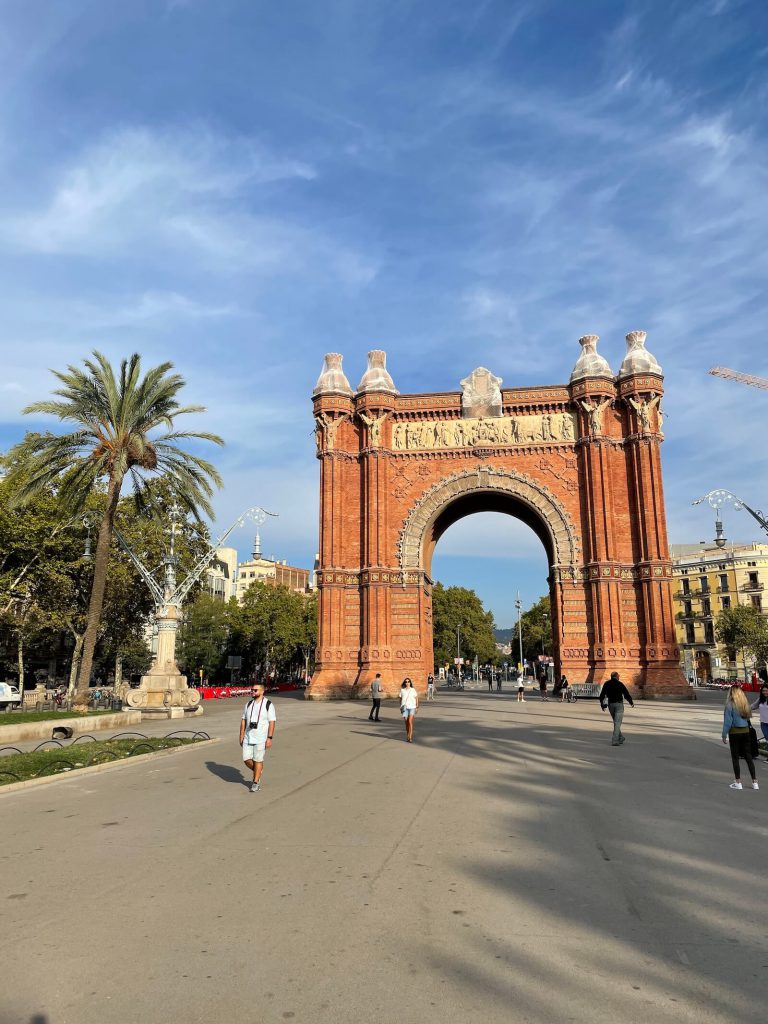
(742, 378)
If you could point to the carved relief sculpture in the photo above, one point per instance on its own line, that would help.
(483, 433)
(643, 410)
(374, 424)
(595, 412)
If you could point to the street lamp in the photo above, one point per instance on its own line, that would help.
(164, 687)
(519, 606)
(458, 654)
(717, 499)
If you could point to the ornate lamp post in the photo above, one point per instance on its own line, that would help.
(717, 499)
(163, 691)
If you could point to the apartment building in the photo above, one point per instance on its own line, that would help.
(272, 571)
(708, 579)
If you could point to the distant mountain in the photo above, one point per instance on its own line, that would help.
(503, 636)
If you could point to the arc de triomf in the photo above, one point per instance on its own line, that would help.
(579, 463)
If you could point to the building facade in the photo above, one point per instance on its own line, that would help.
(707, 580)
(220, 580)
(272, 571)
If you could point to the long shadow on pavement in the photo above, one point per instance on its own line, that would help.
(227, 773)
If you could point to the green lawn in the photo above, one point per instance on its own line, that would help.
(18, 717)
(19, 767)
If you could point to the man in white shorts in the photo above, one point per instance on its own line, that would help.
(257, 730)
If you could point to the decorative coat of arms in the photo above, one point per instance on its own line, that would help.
(481, 394)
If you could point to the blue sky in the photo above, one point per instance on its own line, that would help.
(240, 186)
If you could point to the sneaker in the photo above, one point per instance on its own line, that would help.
(622, 739)
(736, 785)
(255, 787)
(755, 786)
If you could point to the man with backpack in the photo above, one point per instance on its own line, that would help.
(257, 730)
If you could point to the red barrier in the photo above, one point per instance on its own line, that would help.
(215, 692)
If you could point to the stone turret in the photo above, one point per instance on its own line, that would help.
(376, 377)
(332, 380)
(638, 359)
(590, 363)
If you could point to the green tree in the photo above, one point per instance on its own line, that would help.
(454, 608)
(204, 635)
(742, 629)
(124, 431)
(273, 629)
(536, 626)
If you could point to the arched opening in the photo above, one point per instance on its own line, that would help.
(496, 545)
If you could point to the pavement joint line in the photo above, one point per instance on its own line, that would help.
(93, 769)
(379, 871)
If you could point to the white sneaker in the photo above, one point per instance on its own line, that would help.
(736, 785)
(755, 786)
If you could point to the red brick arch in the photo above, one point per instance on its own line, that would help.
(579, 463)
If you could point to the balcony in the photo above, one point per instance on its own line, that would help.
(751, 588)
(723, 590)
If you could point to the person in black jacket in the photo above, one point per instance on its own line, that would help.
(612, 696)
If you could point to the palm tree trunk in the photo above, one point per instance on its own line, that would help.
(118, 672)
(100, 566)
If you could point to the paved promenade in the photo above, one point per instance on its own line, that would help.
(509, 866)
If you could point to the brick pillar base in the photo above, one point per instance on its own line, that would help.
(665, 682)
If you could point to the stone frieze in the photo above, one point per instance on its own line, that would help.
(506, 431)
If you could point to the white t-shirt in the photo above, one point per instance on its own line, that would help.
(409, 698)
(258, 710)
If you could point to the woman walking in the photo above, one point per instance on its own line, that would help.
(409, 702)
(563, 688)
(736, 733)
(761, 706)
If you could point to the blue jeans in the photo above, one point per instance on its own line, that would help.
(617, 713)
(764, 727)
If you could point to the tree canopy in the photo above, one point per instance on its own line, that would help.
(457, 608)
(124, 430)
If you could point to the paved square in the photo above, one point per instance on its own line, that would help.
(510, 865)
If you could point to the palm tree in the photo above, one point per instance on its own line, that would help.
(115, 440)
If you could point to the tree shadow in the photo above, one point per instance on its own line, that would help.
(642, 853)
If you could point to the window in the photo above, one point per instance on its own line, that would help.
(704, 584)
(724, 583)
(726, 602)
(706, 606)
(757, 602)
(686, 586)
(709, 633)
(686, 608)
(753, 579)
(690, 634)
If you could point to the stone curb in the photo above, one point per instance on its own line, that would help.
(26, 731)
(15, 787)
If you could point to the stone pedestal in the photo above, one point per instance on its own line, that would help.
(163, 691)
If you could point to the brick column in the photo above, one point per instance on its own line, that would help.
(373, 410)
(659, 652)
(597, 444)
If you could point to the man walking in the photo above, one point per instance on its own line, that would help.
(430, 687)
(257, 730)
(612, 695)
(376, 692)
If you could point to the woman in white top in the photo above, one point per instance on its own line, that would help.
(409, 702)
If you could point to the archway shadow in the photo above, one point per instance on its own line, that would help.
(227, 773)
